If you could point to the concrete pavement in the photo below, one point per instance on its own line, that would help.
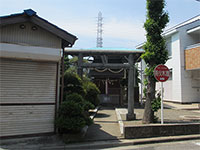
(105, 126)
(174, 114)
(193, 107)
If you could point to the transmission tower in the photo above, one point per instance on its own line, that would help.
(99, 30)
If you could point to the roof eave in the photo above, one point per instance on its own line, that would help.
(54, 29)
(72, 51)
(169, 33)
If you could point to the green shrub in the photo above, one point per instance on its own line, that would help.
(156, 103)
(70, 117)
(145, 82)
(73, 84)
(72, 78)
(145, 92)
(91, 93)
(70, 108)
(75, 97)
(70, 124)
(73, 115)
(86, 105)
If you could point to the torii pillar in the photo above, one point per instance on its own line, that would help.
(80, 62)
(131, 75)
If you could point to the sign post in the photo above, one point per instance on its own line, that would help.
(162, 118)
(161, 73)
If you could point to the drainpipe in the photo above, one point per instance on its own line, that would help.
(62, 76)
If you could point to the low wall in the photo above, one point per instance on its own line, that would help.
(146, 131)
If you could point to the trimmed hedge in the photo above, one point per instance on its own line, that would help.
(72, 114)
(91, 93)
(73, 84)
(79, 97)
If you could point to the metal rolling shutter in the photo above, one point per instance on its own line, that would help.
(27, 97)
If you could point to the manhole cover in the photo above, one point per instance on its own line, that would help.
(190, 117)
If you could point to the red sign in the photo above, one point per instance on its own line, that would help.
(161, 73)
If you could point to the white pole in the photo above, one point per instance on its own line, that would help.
(162, 120)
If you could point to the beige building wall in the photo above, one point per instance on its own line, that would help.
(28, 34)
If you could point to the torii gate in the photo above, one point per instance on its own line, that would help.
(130, 55)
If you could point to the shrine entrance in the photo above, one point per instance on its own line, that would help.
(111, 91)
(107, 69)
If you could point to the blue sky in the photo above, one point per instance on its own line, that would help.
(123, 19)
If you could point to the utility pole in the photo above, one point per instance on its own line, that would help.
(99, 30)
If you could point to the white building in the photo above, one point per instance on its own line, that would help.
(183, 44)
(30, 54)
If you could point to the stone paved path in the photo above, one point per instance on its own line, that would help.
(105, 126)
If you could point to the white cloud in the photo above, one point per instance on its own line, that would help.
(124, 29)
(80, 27)
(113, 29)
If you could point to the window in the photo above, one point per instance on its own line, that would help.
(170, 74)
(169, 46)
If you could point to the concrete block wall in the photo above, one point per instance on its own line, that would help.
(157, 130)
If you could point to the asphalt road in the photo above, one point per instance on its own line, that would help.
(183, 145)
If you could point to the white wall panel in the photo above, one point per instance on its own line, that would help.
(172, 88)
(189, 94)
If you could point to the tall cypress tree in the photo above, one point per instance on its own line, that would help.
(155, 49)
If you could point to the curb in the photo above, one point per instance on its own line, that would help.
(119, 119)
(94, 112)
(116, 143)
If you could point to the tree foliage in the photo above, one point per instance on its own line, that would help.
(73, 84)
(92, 92)
(155, 49)
(71, 64)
